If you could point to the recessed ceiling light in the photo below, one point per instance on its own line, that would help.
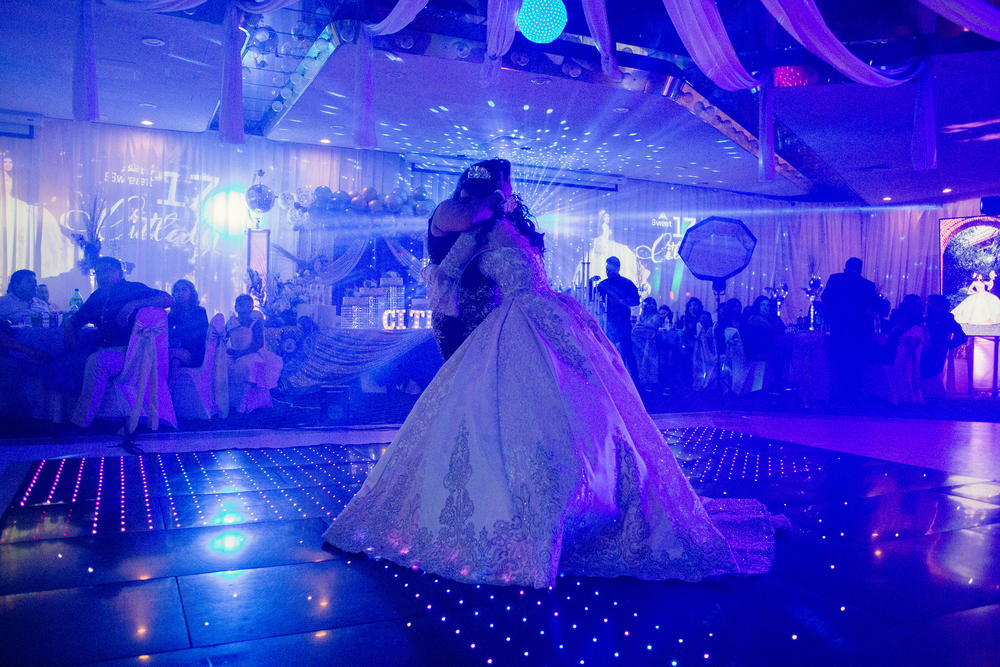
(887, 198)
(394, 75)
(336, 127)
(324, 141)
(147, 105)
(145, 122)
(621, 109)
(946, 191)
(540, 80)
(153, 41)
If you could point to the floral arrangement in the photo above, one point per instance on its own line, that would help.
(283, 296)
(90, 240)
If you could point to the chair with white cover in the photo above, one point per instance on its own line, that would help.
(203, 392)
(141, 390)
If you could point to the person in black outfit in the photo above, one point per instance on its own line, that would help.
(943, 333)
(620, 294)
(478, 198)
(849, 302)
(187, 326)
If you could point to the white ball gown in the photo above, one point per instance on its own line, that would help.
(980, 307)
(531, 453)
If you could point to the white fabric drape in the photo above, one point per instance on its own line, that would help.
(977, 15)
(175, 204)
(700, 28)
(596, 13)
(803, 21)
(401, 16)
(501, 26)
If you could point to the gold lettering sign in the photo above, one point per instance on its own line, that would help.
(398, 319)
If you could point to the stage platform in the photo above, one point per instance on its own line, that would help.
(215, 556)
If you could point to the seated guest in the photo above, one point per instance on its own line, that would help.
(112, 308)
(904, 348)
(943, 333)
(245, 330)
(187, 325)
(759, 331)
(253, 369)
(644, 344)
(42, 299)
(20, 302)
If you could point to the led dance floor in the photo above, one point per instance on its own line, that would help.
(216, 556)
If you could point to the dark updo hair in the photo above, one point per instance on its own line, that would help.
(483, 178)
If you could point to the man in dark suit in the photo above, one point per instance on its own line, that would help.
(619, 294)
(849, 303)
(479, 196)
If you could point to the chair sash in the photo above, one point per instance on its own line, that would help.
(220, 364)
(140, 376)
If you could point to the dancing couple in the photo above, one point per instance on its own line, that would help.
(530, 453)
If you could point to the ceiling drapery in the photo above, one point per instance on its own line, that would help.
(802, 20)
(697, 22)
(977, 15)
(85, 105)
(700, 28)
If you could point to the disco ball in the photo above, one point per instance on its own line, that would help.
(260, 199)
(541, 21)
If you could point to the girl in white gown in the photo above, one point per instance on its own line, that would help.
(981, 306)
(531, 453)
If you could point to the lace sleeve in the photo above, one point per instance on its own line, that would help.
(443, 279)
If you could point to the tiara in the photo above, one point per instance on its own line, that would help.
(477, 172)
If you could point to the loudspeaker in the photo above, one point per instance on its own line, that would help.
(989, 205)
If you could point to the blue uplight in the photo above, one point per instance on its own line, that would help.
(541, 21)
(228, 543)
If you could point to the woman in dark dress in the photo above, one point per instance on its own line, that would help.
(187, 326)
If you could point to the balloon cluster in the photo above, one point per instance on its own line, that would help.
(322, 200)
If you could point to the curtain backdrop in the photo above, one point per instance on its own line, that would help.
(175, 208)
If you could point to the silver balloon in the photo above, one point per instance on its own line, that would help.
(305, 196)
(393, 203)
(340, 201)
(259, 197)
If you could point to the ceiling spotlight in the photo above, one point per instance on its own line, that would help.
(146, 122)
(147, 105)
(324, 141)
(540, 80)
(571, 69)
(461, 48)
(887, 198)
(621, 109)
(153, 41)
(946, 191)
(404, 41)
(520, 58)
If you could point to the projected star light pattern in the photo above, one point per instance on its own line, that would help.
(232, 540)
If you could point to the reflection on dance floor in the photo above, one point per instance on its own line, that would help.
(207, 556)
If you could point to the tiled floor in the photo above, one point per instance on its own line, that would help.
(209, 551)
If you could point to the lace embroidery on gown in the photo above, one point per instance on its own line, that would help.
(531, 452)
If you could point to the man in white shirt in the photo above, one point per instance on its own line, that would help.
(20, 301)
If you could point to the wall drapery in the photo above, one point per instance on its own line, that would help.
(175, 209)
